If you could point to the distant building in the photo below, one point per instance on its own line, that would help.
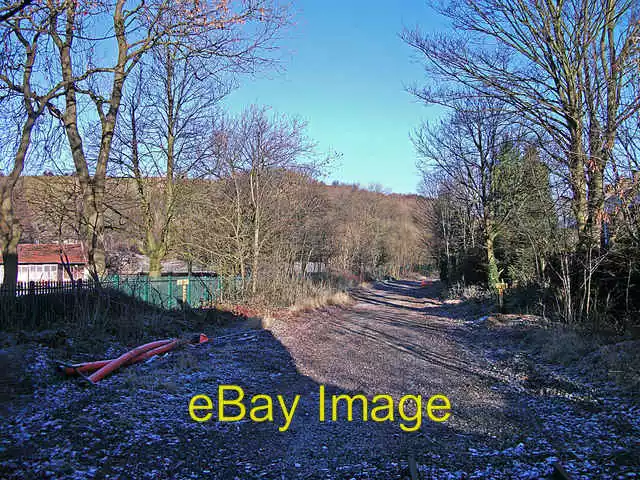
(136, 264)
(310, 267)
(623, 192)
(50, 262)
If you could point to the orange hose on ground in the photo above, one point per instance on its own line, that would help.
(123, 359)
(156, 351)
(147, 351)
(88, 367)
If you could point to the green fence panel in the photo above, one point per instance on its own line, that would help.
(167, 292)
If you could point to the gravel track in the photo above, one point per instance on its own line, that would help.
(511, 416)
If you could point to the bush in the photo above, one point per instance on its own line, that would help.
(600, 292)
(468, 268)
(475, 293)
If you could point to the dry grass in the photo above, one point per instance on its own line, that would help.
(621, 361)
(561, 345)
(598, 356)
(613, 358)
(137, 378)
(466, 293)
(321, 300)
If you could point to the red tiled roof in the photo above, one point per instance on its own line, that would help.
(72, 253)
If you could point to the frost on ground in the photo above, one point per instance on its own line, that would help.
(514, 414)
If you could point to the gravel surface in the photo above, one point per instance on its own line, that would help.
(512, 416)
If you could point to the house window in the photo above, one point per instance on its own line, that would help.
(48, 274)
(23, 273)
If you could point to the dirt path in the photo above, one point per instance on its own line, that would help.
(512, 418)
(397, 339)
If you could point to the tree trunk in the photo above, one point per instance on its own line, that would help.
(156, 250)
(9, 245)
(155, 265)
(598, 159)
(596, 206)
(93, 187)
(94, 231)
(256, 253)
(162, 220)
(254, 188)
(10, 229)
(493, 276)
(578, 186)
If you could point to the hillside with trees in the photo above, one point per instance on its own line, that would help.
(353, 232)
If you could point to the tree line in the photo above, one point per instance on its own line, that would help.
(67, 74)
(533, 172)
(129, 96)
(337, 233)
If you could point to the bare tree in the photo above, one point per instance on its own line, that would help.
(471, 149)
(27, 85)
(131, 31)
(159, 140)
(561, 65)
(257, 154)
(11, 9)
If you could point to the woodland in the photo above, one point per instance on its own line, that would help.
(533, 171)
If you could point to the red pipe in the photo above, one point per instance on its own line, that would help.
(139, 354)
(156, 351)
(88, 367)
(124, 359)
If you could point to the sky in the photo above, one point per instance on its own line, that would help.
(344, 71)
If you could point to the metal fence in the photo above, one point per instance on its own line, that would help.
(45, 287)
(166, 292)
(175, 291)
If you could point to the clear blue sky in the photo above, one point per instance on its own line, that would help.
(345, 69)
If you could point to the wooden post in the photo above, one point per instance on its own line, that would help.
(501, 287)
(183, 282)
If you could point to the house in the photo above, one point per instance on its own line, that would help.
(50, 262)
(621, 195)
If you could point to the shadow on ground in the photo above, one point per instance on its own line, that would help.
(415, 297)
(135, 424)
(398, 339)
